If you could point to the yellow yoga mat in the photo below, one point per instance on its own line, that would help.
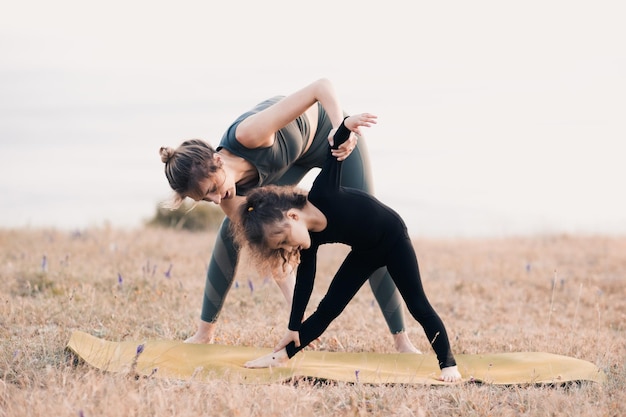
(175, 359)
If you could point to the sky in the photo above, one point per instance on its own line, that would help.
(495, 117)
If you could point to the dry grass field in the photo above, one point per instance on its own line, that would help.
(559, 294)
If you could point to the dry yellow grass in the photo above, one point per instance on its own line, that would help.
(559, 294)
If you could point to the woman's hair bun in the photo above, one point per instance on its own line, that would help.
(166, 154)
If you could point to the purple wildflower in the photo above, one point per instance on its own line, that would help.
(168, 273)
(133, 366)
(250, 285)
(356, 374)
(119, 279)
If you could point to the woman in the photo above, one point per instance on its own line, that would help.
(283, 223)
(277, 142)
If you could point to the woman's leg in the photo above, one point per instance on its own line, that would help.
(220, 276)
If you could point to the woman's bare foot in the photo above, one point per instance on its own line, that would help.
(271, 359)
(204, 334)
(403, 343)
(450, 374)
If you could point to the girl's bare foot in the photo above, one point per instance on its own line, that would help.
(450, 374)
(204, 334)
(271, 359)
(403, 343)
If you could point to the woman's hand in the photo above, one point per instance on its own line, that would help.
(290, 336)
(354, 124)
(345, 149)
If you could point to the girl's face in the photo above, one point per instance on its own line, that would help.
(217, 187)
(291, 235)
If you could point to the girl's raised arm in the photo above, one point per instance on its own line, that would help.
(352, 124)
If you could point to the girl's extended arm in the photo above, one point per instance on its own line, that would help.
(305, 278)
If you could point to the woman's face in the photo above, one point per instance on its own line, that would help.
(217, 187)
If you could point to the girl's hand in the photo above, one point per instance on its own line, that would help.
(354, 124)
(290, 336)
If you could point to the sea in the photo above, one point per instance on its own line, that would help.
(80, 150)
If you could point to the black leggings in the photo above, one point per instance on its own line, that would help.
(356, 173)
(402, 264)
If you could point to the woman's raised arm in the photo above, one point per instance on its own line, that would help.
(258, 130)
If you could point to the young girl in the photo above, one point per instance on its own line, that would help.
(285, 225)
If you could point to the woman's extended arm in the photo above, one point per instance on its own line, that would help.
(258, 129)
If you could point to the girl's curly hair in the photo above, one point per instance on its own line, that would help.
(267, 206)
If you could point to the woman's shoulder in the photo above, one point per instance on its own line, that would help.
(263, 105)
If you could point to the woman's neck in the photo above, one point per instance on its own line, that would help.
(241, 170)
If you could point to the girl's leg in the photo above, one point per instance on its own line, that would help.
(403, 266)
(220, 276)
